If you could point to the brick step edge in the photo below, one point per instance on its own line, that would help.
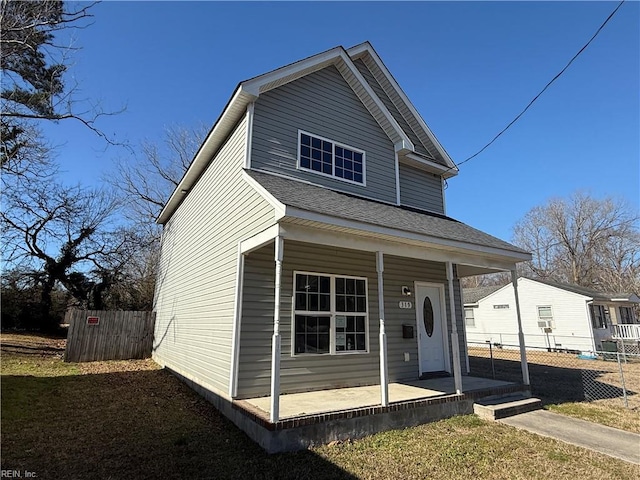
(498, 410)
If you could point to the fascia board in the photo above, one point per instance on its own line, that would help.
(444, 243)
(262, 83)
(234, 110)
(564, 290)
(366, 47)
(404, 144)
(264, 193)
(428, 165)
(501, 289)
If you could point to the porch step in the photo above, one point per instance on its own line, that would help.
(495, 409)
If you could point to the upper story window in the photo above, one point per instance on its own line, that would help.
(330, 158)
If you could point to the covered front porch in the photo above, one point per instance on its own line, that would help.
(324, 416)
(298, 405)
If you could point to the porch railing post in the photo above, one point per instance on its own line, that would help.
(384, 376)
(523, 350)
(275, 341)
(455, 345)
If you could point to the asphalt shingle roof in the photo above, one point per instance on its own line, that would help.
(324, 201)
(473, 295)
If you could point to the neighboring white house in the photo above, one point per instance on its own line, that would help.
(554, 315)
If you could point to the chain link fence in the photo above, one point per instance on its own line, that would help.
(559, 375)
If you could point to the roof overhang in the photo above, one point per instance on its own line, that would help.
(249, 90)
(386, 80)
(418, 161)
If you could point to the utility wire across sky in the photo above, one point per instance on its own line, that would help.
(540, 93)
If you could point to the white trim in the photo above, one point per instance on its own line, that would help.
(249, 134)
(397, 166)
(260, 239)
(276, 338)
(237, 319)
(333, 159)
(443, 324)
(404, 143)
(366, 47)
(455, 341)
(446, 243)
(331, 314)
(372, 244)
(384, 370)
(444, 197)
(221, 130)
(264, 193)
(291, 72)
(417, 161)
(523, 350)
(249, 90)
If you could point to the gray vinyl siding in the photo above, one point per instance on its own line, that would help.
(379, 91)
(420, 189)
(195, 294)
(321, 103)
(399, 271)
(305, 373)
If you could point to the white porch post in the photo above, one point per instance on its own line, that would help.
(275, 342)
(523, 351)
(384, 376)
(455, 346)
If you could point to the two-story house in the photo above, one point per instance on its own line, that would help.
(307, 248)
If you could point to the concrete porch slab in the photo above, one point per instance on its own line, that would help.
(340, 399)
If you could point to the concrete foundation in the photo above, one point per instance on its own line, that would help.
(302, 432)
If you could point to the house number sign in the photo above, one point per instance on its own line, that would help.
(404, 304)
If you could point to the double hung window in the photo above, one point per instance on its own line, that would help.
(330, 314)
(469, 318)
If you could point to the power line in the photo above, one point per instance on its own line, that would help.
(541, 91)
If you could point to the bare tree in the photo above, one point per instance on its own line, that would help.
(147, 180)
(63, 233)
(33, 65)
(583, 241)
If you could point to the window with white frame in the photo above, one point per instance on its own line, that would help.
(545, 316)
(599, 316)
(469, 318)
(330, 314)
(326, 157)
(626, 315)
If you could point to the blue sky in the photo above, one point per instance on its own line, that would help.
(468, 67)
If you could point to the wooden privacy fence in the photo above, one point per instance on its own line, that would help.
(108, 335)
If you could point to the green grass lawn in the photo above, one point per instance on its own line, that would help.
(126, 420)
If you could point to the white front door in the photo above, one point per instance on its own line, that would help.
(430, 329)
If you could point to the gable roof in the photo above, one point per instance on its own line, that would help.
(249, 90)
(431, 148)
(589, 292)
(474, 295)
(398, 220)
